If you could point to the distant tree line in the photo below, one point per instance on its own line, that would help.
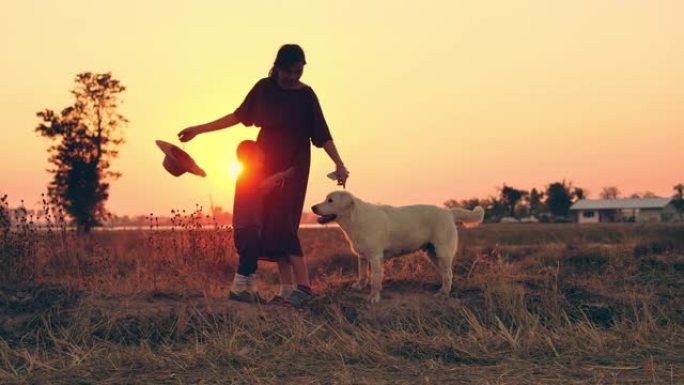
(550, 204)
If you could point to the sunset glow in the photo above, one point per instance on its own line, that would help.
(235, 169)
(426, 101)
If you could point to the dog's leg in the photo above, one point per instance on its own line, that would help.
(376, 278)
(447, 278)
(362, 282)
(444, 257)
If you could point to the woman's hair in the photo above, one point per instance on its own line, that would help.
(288, 55)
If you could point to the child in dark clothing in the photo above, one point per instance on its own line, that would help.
(250, 189)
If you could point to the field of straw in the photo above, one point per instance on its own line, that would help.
(532, 304)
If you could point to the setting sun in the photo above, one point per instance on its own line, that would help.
(235, 169)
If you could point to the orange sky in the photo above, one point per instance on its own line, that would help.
(426, 100)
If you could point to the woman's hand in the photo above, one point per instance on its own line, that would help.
(341, 171)
(276, 180)
(342, 175)
(188, 133)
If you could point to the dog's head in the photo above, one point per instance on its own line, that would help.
(336, 204)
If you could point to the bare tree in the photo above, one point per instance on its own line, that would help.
(610, 192)
(645, 194)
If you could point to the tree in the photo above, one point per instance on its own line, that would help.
(87, 135)
(678, 200)
(610, 192)
(497, 209)
(534, 200)
(559, 198)
(645, 194)
(510, 197)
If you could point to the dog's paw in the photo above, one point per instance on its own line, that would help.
(359, 285)
(442, 294)
(374, 298)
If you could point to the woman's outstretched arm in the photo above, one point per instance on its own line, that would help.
(218, 124)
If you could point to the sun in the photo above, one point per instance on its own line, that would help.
(235, 169)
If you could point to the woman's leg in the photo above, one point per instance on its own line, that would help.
(286, 278)
(300, 270)
(285, 272)
(302, 295)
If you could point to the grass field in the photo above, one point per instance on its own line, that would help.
(532, 304)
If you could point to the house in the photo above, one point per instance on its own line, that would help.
(625, 210)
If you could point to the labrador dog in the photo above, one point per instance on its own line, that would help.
(376, 231)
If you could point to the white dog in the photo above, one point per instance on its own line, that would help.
(376, 231)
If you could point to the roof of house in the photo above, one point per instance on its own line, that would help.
(630, 203)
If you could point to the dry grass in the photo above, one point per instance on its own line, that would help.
(537, 304)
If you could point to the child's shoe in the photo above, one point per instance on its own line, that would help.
(244, 290)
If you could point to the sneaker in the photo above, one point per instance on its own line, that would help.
(246, 296)
(299, 298)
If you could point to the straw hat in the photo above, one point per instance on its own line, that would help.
(177, 161)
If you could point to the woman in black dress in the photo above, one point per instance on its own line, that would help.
(290, 118)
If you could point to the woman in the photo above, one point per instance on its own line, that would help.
(290, 117)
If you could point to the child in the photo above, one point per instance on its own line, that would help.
(250, 188)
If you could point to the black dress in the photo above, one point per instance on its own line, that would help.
(289, 120)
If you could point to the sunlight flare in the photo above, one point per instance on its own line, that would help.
(235, 169)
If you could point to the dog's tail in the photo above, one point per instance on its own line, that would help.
(468, 218)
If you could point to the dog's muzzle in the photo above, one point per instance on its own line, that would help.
(323, 218)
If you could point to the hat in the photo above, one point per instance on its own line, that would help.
(177, 161)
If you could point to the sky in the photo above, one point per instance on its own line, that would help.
(426, 100)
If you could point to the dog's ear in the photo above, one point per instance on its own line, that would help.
(348, 201)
